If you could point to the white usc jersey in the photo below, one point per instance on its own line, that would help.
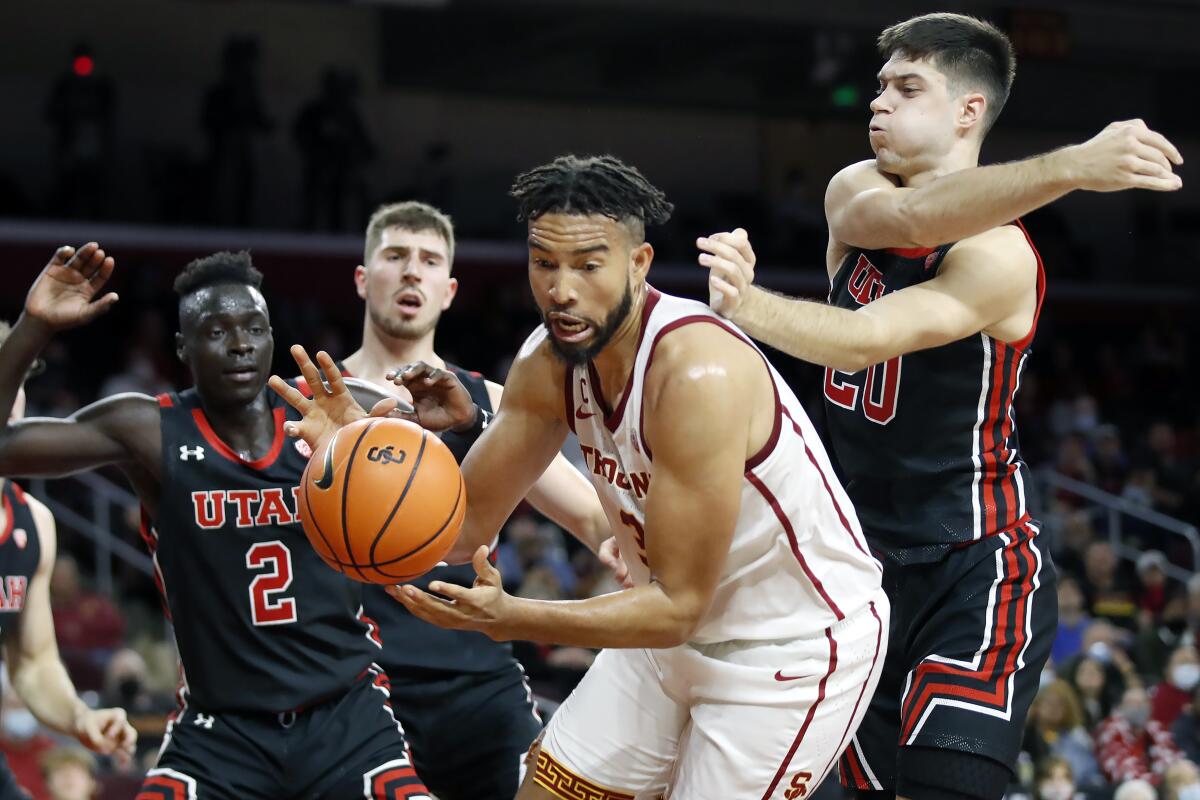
(798, 563)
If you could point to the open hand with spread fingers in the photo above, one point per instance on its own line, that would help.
(67, 293)
(481, 608)
(331, 406)
(730, 261)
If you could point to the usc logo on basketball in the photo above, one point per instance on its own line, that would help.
(799, 786)
(386, 455)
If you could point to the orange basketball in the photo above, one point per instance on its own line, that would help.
(383, 501)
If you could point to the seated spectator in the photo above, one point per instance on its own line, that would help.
(1182, 781)
(1109, 593)
(1054, 779)
(89, 626)
(1056, 730)
(69, 773)
(1097, 684)
(1186, 730)
(1111, 463)
(1172, 695)
(1073, 620)
(1135, 789)
(1131, 746)
(125, 686)
(1155, 591)
(23, 743)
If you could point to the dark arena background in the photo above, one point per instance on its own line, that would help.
(166, 130)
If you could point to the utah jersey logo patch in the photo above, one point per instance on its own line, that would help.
(20, 537)
(303, 449)
(186, 453)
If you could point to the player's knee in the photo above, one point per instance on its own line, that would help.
(927, 773)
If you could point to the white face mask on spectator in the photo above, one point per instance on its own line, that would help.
(1056, 789)
(1186, 676)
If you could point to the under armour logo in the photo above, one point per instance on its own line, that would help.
(186, 452)
(799, 786)
(205, 721)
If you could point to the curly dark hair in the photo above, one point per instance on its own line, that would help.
(222, 267)
(591, 185)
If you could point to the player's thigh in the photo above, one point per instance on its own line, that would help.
(213, 757)
(475, 746)
(616, 736)
(979, 644)
(775, 719)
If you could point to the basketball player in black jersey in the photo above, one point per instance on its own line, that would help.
(935, 293)
(28, 542)
(281, 695)
(462, 697)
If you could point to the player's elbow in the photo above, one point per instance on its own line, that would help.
(916, 224)
(680, 623)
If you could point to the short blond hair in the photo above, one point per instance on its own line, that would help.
(66, 756)
(411, 215)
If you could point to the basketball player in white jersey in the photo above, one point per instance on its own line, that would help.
(742, 660)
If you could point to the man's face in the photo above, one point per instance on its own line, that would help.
(584, 271)
(407, 284)
(226, 341)
(913, 118)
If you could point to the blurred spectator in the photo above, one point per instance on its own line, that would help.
(23, 744)
(1054, 779)
(1182, 781)
(1186, 730)
(1173, 694)
(1098, 686)
(1073, 461)
(1111, 463)
(1072, 621)
(1109, 594)
(139, 374)
(334, 146)
(233, 116)
(1056, 729)
(69, 773)
(89, 626)
(1155, 590)
(1136, 789)
(80, 111)
(1130, 745)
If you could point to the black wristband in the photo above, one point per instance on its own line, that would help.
(483, 418)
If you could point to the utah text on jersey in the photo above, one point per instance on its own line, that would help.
(12, 592)
(246, 507)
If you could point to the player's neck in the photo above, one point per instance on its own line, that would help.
(381, 353)
(248, 429)
(953, 162)
(615, 362)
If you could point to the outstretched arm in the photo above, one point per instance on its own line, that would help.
(691, 511)
(984, 283)
(867, 209)
(63, 296)
(37, 672)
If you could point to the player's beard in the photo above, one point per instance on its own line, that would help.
(601, 334)
(407, 329)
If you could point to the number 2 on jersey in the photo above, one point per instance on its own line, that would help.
(880, 394)
(277, 560)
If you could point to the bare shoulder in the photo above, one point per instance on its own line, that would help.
(1004, 248)
(701, 358)
(536, 378)
(855, 178)
(41, 514)
(47, 532)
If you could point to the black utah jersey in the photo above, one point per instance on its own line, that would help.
(262, 623)
(927, 441)
(20, 552)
